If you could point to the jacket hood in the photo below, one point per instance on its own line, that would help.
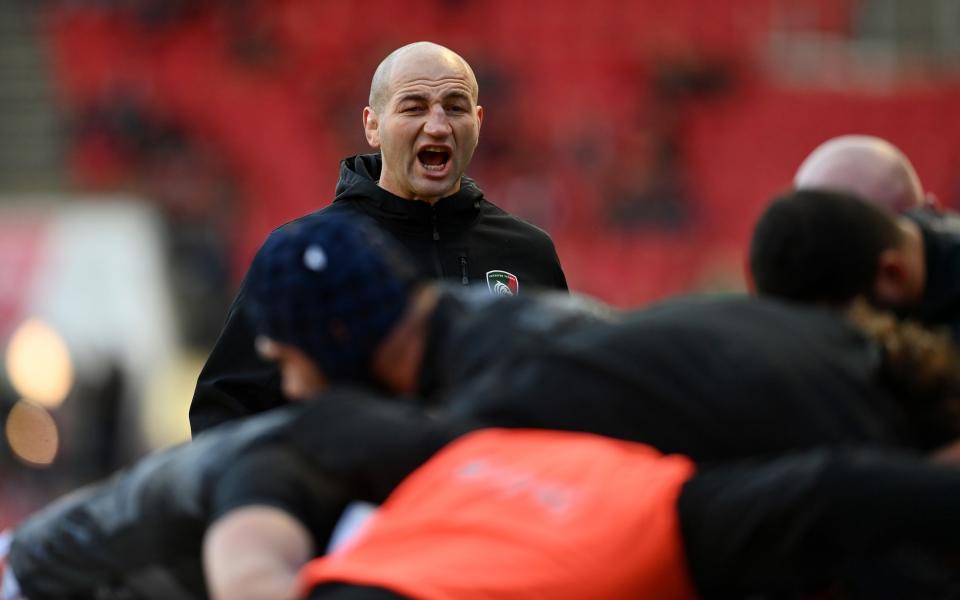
(359, 175)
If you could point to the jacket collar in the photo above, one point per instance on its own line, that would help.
(358, 181)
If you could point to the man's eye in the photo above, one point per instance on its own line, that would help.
(457, 109)
(409, 109)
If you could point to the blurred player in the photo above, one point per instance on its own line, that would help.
(139, 534)
(823, 247)
(483, 516)
(878, 172)
(541, 514)
(714, 378)
(424, 120)
(865, 166)
(340, 292)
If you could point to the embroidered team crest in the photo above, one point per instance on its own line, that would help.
(502, 283)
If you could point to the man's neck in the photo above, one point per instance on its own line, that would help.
(407, 194)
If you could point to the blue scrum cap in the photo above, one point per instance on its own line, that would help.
(333, 286)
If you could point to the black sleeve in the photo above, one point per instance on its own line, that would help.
(793, 524)
(560, 279)
(235, 381)
(111, 537)
(346, 446)
(366, 444)
(140, 526)
(941, 245)
(279, 477)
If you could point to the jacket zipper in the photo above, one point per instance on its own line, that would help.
(463, 270)
(438, 264)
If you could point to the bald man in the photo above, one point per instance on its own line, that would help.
(865, 166)
(875, 170)
(424, 120)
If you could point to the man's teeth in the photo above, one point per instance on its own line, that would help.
(433, 159)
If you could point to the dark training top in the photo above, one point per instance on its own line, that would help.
(941, 246)
(716, 378)
(471, 331)
(459, 238)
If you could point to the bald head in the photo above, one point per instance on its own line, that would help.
(414, 54)
(865, 166)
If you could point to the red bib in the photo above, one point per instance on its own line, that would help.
(525, 514)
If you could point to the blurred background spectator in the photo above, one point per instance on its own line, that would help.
(149, 146)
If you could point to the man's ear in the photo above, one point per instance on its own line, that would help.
(371, 127)
(479, 116)
(267, 348)
(892, 285)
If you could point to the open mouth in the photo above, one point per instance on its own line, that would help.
(433, 159)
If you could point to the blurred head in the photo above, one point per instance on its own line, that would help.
(323, 294)
(865, 166)
(424, 118)
(830, 248)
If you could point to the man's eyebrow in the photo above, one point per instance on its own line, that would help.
(412, 96)
(420, 97)
(458, 95)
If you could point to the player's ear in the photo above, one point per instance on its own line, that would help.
(371, 127)
(267, 348)
(891, 286)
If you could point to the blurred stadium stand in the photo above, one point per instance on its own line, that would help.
(30, 127)
(644, 135)
(672, 122)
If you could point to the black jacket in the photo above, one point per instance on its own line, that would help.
(716, 378)
(460, 238)
(941, 247)
(472, 331)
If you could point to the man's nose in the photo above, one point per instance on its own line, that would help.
(438, 123)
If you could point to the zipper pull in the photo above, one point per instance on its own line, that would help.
(463, 270)
(433, 222)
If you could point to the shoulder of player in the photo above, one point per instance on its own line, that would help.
(339, 208)
(942, 224)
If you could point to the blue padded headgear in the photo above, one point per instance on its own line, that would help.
(333, 286)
